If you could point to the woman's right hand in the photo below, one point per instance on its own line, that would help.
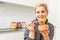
(30, 26)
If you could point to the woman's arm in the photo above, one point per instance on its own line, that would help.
(45, 35)
(51, 32)
(29, 32)
(44, 31)
(26, 35)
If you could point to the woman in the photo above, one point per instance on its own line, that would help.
(40, 28)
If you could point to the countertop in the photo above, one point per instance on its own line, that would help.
(11, 30)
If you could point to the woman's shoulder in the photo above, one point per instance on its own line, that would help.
(50, 25)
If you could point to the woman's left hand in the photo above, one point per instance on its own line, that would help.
(45, 35)
(44, 31)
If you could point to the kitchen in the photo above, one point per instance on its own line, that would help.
(20, 11)
(13, 13)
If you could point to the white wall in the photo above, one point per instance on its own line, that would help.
(10, 12)
(52, 12)
(58, 20)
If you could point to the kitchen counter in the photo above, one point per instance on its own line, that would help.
(11, 30)
(14, 34)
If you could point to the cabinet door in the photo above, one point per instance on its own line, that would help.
(25, 2)
(12, 36)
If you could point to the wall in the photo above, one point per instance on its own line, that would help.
(10, 12)
(58, 19)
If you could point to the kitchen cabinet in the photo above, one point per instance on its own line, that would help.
(17, 35)
(24, 2)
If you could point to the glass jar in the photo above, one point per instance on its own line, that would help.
(13, 25)
(19, 25)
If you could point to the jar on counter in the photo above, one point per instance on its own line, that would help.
(19, 25)
(23, 25)
(13, 25)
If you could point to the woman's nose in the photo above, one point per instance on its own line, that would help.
(40, 13)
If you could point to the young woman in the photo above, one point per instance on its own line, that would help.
(40, 28)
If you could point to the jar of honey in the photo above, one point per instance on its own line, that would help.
(13, 25)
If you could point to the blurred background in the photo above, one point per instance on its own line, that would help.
(22, 11)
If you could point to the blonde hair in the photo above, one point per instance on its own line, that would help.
(41, 4)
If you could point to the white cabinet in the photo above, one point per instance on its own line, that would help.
(12, 35)
(25, 2)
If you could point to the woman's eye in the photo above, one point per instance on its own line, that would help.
(42, 11)
(38, 12)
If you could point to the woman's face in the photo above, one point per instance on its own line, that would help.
(41, 13)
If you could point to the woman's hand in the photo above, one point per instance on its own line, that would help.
(30, 27)
(44, 31)
(45, 35)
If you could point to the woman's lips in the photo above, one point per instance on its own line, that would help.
(40, 18)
